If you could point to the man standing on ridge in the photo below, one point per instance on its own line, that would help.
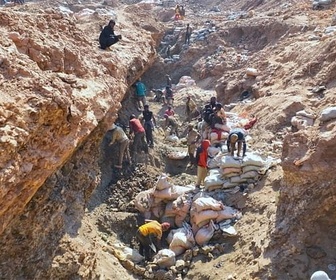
(202, 162)
(192, 138)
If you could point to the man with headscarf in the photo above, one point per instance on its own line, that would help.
(107, 37)
(237, 136)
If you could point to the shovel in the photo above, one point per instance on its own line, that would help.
(152, 246)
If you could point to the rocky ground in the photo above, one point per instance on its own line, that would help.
(293, 53)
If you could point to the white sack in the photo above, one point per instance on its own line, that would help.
(303, 113)
(237, 179)
(207, 203)
(164, 194)
(213, 151)
(123, 252)
(228, 161)
(178, 250)
(229, 170)
(250, 175)
(162, 183)
(205, 233)
(213, 180)
(202, 216)
(229, 184)
(227, 213)
(248, 168)
(165, 258)
(328, 114)
(252, 159)
(144, 201)
(219, 137)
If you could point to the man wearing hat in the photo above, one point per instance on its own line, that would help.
(119, 136)
(237, 136)
(146, 234)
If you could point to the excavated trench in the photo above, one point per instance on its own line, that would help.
(59, 204)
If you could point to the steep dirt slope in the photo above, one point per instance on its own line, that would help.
(59, 95)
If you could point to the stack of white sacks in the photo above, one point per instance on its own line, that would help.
(205, 213)
(154, 200)
(196, 216)
(228, 172)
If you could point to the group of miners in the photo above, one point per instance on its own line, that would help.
(211, 118)
(149, 234)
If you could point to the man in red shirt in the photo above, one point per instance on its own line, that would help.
(202, 159)
(170, 112)
(139, 143)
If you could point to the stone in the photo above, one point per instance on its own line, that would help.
(180, 264)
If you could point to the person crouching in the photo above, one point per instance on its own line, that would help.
(150, 234)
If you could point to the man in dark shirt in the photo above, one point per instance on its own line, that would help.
(149, 123)
(236, 136)
(107, 37)
(187, 35)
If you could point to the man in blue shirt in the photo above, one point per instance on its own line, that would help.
(140, 94)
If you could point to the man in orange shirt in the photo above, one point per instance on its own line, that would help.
(201, 159)
(147, 232)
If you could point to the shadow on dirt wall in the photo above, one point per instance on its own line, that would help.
(32, 240)
(304, 239)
